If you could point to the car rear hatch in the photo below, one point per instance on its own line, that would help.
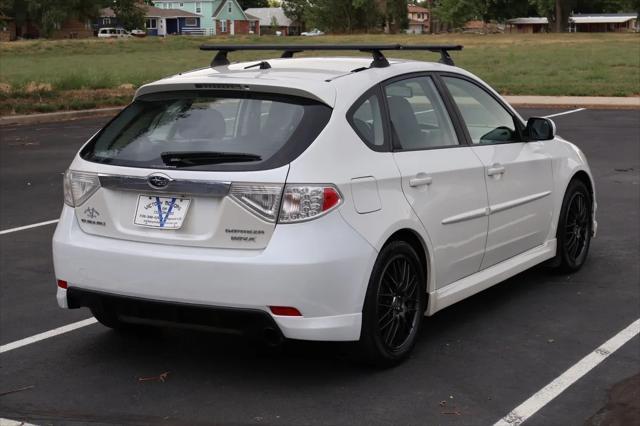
(195, 168)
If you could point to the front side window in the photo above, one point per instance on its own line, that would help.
(419, 119)
(366, 120)
(486, 120)
(209, 131)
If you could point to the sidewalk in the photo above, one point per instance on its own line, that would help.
(567, 102)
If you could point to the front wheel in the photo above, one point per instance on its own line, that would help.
(574, 227)
(394, 306)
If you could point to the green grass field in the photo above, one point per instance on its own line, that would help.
(40, 76)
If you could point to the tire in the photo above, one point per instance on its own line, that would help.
(574, 228)
(394, 306)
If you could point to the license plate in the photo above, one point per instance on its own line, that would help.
(161, 212)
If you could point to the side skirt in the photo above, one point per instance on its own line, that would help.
(486, 278)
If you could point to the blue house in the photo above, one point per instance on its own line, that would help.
(159, 21)
(219, 17)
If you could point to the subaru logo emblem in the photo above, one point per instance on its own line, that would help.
(158, 181)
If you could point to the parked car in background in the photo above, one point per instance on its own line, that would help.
(318, 198)
(313, 33)
(138, 33)
(113, 33)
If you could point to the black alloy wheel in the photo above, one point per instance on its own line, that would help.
(575, 228)
(394, 306)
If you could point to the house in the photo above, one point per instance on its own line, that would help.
(273, 19)
(528, 25)
(159, 21)
(7, 28)
(419, 20)
(164, 21)
(603, 22)
(72, 28)
(217, 17)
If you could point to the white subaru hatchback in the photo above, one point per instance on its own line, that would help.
(333, 199)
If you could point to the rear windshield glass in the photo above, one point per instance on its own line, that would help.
(209, 131)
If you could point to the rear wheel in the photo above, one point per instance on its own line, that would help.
(574, 227)
(394, 306)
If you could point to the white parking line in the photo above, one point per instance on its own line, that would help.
(22, 228)
(9, 422)
(541, 398)
(565, 112)
(47, 334)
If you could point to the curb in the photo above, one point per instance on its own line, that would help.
(593, 102)
(52, 117)
(626, 103)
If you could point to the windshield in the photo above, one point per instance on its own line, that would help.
(241, 131)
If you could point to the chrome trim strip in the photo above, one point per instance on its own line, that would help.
(518, 202)
(183, 187)
(473, 214)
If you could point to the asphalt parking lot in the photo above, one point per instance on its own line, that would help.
(474, 363)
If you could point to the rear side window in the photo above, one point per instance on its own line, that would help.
(209, 131)
(419, 119)
(366, 120)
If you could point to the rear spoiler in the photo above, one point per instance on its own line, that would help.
(288, 50)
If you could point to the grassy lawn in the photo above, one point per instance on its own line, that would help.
(42, 76)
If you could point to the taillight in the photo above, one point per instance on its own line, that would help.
(261, 199)
(285, 311)
(62, 284)
(306, 202)
(79, 187)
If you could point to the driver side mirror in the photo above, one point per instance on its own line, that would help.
(540, 129)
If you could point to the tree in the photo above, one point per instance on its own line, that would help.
(296, 10)
(49, 14)
(129, 13)
(397, 16)
(246, 4)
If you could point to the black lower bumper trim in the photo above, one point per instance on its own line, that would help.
(160, 313)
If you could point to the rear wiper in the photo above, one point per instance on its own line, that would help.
(197, 158)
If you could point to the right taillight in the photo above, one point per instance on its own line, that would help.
(79, 187)
(306, 202)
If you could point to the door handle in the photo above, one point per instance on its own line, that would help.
(495, 170)
(421, 179)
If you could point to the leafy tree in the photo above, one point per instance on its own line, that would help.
(297, 11)
(48, 14)
(246, 4)
(129, 13)
(397, 16)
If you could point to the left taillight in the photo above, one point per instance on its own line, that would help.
(305, 202)
(79, 187)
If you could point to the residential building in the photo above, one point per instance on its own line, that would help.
(273, 19)
(603, 22)
(7, 28)
(591, 23)
(217, 17)
(419, 20)
(159, 21)
(535, 24)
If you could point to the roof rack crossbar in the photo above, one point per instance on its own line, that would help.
(379, 60)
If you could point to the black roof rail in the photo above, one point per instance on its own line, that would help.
(288, 50)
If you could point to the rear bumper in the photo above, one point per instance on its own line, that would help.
(321, 268)
(253, 322)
